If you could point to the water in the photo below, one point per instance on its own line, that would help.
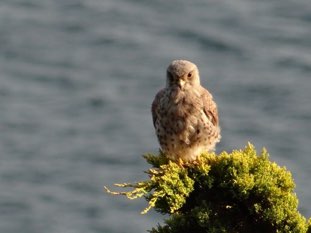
(77, 79)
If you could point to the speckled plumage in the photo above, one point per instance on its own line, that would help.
(184, 114)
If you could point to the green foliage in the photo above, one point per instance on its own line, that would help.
(231, 192)
(167, 189)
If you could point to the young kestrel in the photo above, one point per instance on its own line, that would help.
(184, 114)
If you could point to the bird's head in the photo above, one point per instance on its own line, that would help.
(183, 74)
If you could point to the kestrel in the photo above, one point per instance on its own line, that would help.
(184, 114)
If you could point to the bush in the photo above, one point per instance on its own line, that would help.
(231, 192)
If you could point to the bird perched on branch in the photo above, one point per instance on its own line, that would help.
(184, 114)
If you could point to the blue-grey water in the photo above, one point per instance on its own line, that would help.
(77, 78)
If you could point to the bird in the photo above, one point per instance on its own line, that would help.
(184, 114)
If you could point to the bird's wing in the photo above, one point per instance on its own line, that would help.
(155, 105)
(210, 107)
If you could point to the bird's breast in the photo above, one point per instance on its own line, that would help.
(183, 103)
(176, 95)
(180, 111)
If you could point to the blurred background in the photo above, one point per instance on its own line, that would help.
(77, 78)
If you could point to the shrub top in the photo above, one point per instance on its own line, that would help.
(230, 192)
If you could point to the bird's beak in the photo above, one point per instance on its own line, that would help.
(181, 83)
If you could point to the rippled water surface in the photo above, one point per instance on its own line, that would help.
(77, 79)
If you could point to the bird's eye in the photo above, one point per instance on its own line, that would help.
(189, 75)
